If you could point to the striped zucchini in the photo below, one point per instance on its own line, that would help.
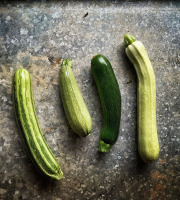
(74, 105)
(148, 145)
(38, 150)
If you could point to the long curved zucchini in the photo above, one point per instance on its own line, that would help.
(110, 97)
(38, 150)
(148, 145)
(75, 108)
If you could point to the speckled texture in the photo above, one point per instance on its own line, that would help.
(36, 36)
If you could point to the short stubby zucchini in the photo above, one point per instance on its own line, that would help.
(36, 146)
(110, 97)
(75, 108)
(148, 145)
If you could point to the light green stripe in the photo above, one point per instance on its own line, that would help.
(34, 121)
(21, 89)
(33, 124)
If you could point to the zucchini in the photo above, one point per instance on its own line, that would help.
(110, 97)
(148, 145)
(36, 146)
(75, 108)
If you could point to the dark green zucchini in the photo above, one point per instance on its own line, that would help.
(110, 97)
(38, 150)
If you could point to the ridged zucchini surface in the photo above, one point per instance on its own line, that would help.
(36, 146)
(75, 108)
(148, 144)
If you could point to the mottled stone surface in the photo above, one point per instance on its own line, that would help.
(36, 36)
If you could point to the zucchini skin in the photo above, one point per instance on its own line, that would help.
(37, 148)
(75, 108)
(148, 145)
(110, 97)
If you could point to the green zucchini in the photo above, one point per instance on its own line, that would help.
(110, 97)
(75, 108)
(148, 145)
(36, 146)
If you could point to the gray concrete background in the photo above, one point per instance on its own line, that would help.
(36, 36)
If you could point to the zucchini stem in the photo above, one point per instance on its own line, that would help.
(67, 62)
(128, 39)
(103, 147)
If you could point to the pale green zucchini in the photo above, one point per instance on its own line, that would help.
(148, 145)
(38, 150)
(75, 108)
